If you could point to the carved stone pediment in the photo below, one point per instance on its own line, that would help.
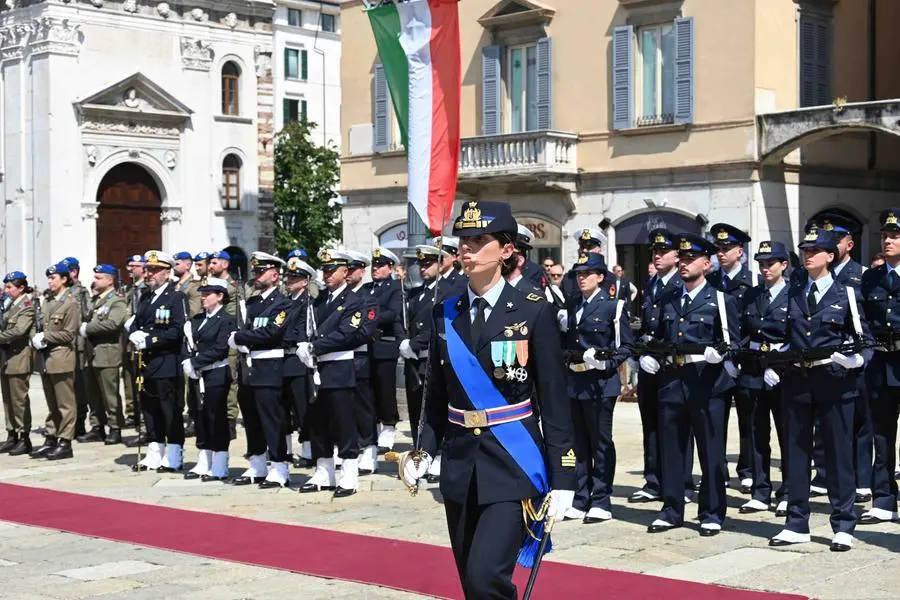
(135, 105)
(508, 13)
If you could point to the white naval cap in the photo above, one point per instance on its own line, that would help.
(332, 257)
(423, 250)
(524, 235)
(588, 234)
(158, 258)
(382, 254)
(297, 267)
(214, 284)
(448, 242)
(264, 260)
(358, 258)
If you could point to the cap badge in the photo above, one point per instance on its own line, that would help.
(582, 260)
(685, 245)
(326, 256)
(891, 219)
(812, 235)
(827, 225)
(151, 257)
(659, 239)
(254, 262)
(586, 234)
(722, 234)
(471, 217)
(765, 248)
(376, 253)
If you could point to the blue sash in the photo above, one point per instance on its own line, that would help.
(483, 394)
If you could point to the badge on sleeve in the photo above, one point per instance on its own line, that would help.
(356, 319)
(280, 318)
(568, 460)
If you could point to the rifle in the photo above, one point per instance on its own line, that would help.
(803, 356)
(240, 318)
(665, 351)
(405, 316)
(39, 328)
(137, 370)
(312, 332)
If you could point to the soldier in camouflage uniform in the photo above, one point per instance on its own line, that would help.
(136, 272)
(83, 299)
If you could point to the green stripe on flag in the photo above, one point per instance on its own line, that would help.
(386, 27)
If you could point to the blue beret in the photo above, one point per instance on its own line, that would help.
(298, 253)
(13, 276)
(61, 268)
(71, 261)
(591, 261)
(723, 233)
(183, 256)
(221, 254)
(106, 270)
(136, 258)
(201, 256)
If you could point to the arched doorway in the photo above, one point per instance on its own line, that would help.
(128, 214)
(237, 266)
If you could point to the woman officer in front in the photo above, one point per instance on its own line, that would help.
(485, 392)
(15, 369)
(206, 336)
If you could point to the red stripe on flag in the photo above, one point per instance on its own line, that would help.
(446, 80)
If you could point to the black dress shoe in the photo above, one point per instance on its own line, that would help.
(592, 520)
(94, 435)
(114, 437)
(660, 528)
(863, 498)
(709, 532)
(139, 468)
(48, 445)
(343, 492)
(308, 488)
(207, 478)
(191, 475)
(433, 478)
(305, 463)
(167, 470)
(871, 520)
(63, 450)
(265, 484)
(22, 447)
(835, 547)
(639, 498)
(12, 438)
(746, 489)
(776, 543)
(242, 480)
(749, 510)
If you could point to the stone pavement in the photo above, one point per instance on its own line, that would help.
(36, 563)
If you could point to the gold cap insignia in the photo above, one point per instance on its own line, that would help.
(685, 244)
(254, 262)
(376, 253)
(471, 217)
(722, 234)
(582, 260)
(151, 257)
(420, 255)
(326, 256)
(811, 236)
(659, 239)
(891, 219)
(765, 248)
(827, 225)
(586, 234)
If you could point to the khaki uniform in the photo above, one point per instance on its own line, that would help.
(127, 356)
(83, 299)
(60, 317)
(103, 331)
(16, 358)
(231, 309)
(191, 289)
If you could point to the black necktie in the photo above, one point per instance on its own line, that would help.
(480, 304)
(685, 302)
(892, 278)
(725, 281)
(658, 288)
(767, 299)
(811, 297)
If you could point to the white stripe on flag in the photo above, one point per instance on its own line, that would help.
(415, 38)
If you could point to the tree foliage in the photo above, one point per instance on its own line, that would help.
(306, 177)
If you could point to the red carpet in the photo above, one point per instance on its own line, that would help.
(418, 568)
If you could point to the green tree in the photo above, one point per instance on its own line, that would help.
(306, 175)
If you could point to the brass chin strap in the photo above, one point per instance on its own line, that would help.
(402, 459)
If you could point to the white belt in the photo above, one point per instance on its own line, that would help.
(815, 363)
(423, 354)
(772, 347)
(683, 359)
(582, 367)
(364, 348)
(264, 354)
(215, 365)
(388, 338)
(333, 356)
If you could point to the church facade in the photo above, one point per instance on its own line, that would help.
(131, 124)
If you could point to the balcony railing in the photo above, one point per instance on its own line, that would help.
(527, 153)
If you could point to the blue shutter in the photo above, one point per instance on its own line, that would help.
(303, 110)
(381, 140)
(544, 83)
(623, 59)
(815, 60)
(303, 65)
(823, 62)
(490, 90)
(684, 70)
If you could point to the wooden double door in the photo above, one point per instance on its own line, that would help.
(128, 215)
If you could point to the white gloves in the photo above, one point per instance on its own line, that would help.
(304, 353)
(712, 356)
(560, 501)
(189, 335)
(189, 369)
(589, 358)
(38, 341)
(649, 364)
(731, 369)
(853, 361)
(82, 330)
(771, 378)
(406, 351)
(139, 339)
(562, 317)
(412, 473)
(234, 346)
(127, 324)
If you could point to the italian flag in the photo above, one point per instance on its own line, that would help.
(418, 42)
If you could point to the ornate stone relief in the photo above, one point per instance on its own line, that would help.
(97, 3)
(171, 159)
(164, 10)
(47, 34)
(196, 54)
(91, 153)
(230, 20)
(170, 214)
(130, 6)
(89, 210)
(263, 57)
(108, 125)
(198, 15)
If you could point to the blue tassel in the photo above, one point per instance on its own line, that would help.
(529, 550)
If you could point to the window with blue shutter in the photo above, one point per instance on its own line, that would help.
(623, 50)
(381, 140)
(490, 90)
(815, 59)
(544, 83)
(684, 70)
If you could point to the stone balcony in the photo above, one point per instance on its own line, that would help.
(537, 155)
(783, 132)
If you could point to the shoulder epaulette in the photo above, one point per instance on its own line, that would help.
(533, 297)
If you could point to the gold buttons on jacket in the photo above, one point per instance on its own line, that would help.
(476, 431)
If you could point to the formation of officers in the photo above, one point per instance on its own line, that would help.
(816, 350)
